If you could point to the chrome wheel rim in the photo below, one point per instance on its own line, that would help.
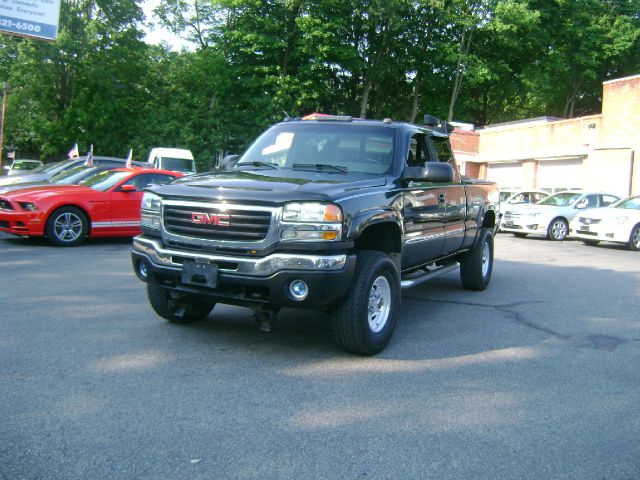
(379, 305)
(559, 230)
(68, 227)
(486, 259)
(635, 238)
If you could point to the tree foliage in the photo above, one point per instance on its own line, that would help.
(254, 61)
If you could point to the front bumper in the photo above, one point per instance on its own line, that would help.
(21, 223)
(602, 232)
(528, 225)
(245, 280)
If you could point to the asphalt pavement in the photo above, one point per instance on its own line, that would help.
(536, 378)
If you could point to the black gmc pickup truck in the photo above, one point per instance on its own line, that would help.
(324, 212)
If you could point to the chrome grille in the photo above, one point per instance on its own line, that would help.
(245, 225)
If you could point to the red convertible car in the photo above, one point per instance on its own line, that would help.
(105, 205)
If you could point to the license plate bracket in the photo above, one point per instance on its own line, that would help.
(199, 274)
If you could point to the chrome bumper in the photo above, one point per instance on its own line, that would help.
(260, 267)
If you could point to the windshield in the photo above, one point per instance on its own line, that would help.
(70, 176)
(103, 181)
(25, 165)
(177, 164)
(333, 149)
(561, 199)
(48, 168)
(631, 203)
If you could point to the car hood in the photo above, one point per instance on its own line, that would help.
(271, 187)
(30, 177)
(609, 213)
(35, 193)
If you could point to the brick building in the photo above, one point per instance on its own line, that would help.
(596, 152)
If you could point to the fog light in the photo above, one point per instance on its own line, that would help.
(298, 290)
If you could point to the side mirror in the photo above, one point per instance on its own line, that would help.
(437, 172)
(128, 188)
(582, 204)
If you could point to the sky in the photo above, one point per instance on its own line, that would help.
(157, 34)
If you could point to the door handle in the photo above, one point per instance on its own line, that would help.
(442, 198)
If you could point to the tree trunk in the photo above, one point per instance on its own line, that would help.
(416, 99)
(465, 46)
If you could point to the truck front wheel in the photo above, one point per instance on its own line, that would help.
(364, 322)
(182, 311)
(476, 266)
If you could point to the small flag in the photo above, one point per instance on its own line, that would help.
(89, 162)
(129, 163)
(11, 155)
(74, 153)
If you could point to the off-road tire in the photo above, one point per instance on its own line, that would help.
(67, 227)
(363, 323)
(558, 229)
(183, 311)
(476, 266)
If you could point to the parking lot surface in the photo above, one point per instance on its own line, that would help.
(537, 377)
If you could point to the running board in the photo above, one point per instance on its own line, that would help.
(421, 276)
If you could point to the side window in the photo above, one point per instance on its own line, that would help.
(538, 196)
(443, 149)
(142, 181)
(592, 201)
(417, 155)
(608, 200)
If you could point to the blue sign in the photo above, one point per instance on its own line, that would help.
(31, 18)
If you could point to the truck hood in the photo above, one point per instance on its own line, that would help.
(268, 187)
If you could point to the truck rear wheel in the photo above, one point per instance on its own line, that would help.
(364, 322)
(476, 266)
(183, 311)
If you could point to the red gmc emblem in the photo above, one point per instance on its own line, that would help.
(204, 218)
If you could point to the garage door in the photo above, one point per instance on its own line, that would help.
(506, 175)
(557, 175)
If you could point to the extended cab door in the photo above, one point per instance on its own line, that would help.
(424, 211)
(454, 196)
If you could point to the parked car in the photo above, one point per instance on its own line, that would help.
(18, 167)
(47, 171)
(72, 176)
(519, 197)
(105, 205)
(551, 216)
(620, 223)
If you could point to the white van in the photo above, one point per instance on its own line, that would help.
(175, 159)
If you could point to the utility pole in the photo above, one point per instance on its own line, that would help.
(5, 87)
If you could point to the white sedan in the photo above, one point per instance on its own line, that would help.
(551, 216)
(619, 223)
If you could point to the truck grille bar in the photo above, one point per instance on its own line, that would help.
(214, 223)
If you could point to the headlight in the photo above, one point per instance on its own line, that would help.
(311, 212)
(151, 201)
(28, 206)
(311, 222)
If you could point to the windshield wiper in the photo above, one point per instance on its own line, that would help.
(257, 164)
(320, 167)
